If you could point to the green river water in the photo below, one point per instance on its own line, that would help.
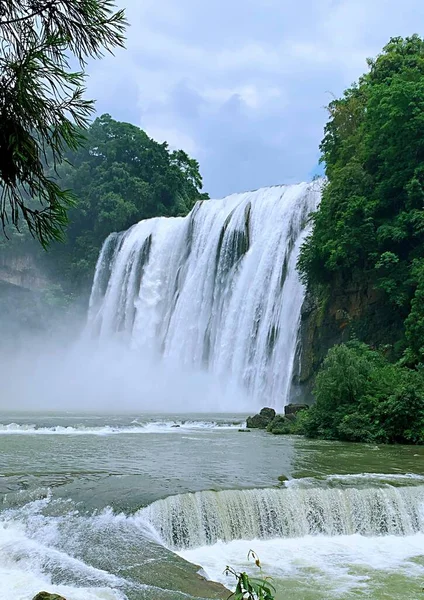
(122, 506)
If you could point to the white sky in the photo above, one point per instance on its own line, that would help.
(241, 85)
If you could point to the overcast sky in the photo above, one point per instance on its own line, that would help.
(241, 85)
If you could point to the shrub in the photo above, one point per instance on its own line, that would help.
(361, 397)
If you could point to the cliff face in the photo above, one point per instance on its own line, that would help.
(21, 311)
(355, 309)
(22, 270)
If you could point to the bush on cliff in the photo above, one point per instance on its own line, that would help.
(361, 397)
(369, 229)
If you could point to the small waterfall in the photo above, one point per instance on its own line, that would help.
(203, 518)
(217, 289)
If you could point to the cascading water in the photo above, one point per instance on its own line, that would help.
(217, 290)
(204, 518)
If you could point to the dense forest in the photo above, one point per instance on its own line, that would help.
(118, 177)
(369, 232)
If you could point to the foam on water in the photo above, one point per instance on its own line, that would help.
(140, 428)
(357, 480)
(336, 541)
(28, 558)
(322, 567)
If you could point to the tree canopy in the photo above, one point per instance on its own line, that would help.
(118, 177)
(42, 106)
(370, 225)
(362, 397)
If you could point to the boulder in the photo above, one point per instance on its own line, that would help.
(257, 422)
(48, 596)
(262, 420)
(268, 413)
(293, 409)
(244, 430)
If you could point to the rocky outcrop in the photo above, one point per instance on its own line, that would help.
(20, 310)
(291, 410)
(261, 420)
(267, 413)
(273, 423)
(351, 309)
(48, 596)
(22, 270)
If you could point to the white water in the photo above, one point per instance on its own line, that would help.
(49, 544)
(29, 552)
(152, 427)
(204, 518)
(315, 542)
(319, 567)
(217, 290)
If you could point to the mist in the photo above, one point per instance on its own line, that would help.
(65, 371)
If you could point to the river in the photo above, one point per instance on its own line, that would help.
(113, 506)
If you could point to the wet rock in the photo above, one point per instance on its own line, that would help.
(268, 413)
(244, 430)
(282, 478)
(257, 422)
(293, 409)
(48, 596)
(262, 420)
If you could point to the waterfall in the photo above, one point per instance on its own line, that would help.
(203, 518)
(216, 290)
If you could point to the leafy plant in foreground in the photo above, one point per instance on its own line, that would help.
(251, 588)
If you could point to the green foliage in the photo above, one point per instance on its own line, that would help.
(251, 588)
(119, 176)
(280, 426)
(42, 106)
(361, 397)
(370, 225)
(414, 323)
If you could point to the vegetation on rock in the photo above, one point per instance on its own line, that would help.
(261, 420)
(370, 224)
(280, 425)
(368, 235)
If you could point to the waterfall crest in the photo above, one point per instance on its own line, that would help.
(217, 289)
(204, 518)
